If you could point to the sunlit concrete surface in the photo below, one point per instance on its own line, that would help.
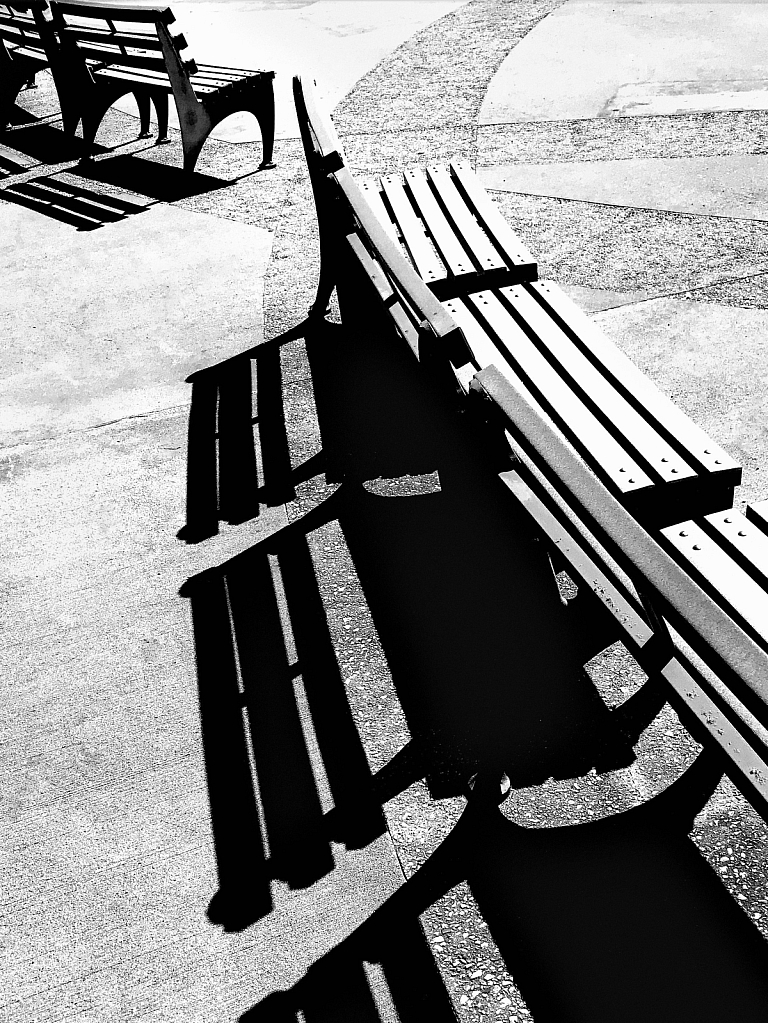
(599, 59)
(91, 334)
(715, 186)
(334, 41)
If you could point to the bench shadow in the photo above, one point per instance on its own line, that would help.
(236, 410)
(266, 665)
(82, 208)
(462, 595)
(616, 919)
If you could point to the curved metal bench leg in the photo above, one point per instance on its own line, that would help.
(264, 112)
(160, 101)
(142, 101)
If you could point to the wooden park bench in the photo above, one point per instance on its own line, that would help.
(601, 434)
(25, 40)
(106, 52)
(649, 454)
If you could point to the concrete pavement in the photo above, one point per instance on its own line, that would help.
(141, 872)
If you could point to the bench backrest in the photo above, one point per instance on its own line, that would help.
(131, 37)
(21, 25)
(351, 228)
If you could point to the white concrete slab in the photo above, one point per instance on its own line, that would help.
(720, 186)
(335, 41)
(100, 325)
(591, 59)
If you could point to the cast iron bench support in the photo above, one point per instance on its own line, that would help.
(108, 52)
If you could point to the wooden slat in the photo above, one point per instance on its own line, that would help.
(699, 449)
(452, 252)
(722, 577)
(372, 193)
(758, 515)
(28, 53)
(238, 72)
(484, 351)
(139, 14)
(482, 206)
(478, 244)
(127, 60)
(608, 458)
(142, 41)
(21, 22)
(419, 249)
(19, 36)
(660, 458)
(745, 542)
(157, 80)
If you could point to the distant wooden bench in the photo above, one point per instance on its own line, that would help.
(23, 51)
(649, 454)
(108, 51)
(589, 534)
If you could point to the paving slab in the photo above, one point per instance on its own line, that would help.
(109, 860)
(713, 186)
(594, 59)
(99, 325)
(334, 41)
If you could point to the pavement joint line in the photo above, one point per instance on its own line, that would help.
(687, 291)
(625, 206)
(94, 426)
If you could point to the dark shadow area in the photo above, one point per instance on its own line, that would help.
(236, 406)
(148, 177)
(82, 208)
(463, 597)
(617, 919)
(44, 142)
(41, 139)
(264, 652)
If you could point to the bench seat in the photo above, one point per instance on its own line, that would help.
(640, 444)
(449, 229)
